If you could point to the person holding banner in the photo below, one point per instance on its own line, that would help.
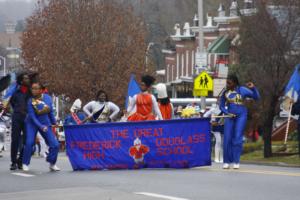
(75, 117)
(217, 129)
(40, 118)
(164, 104)
(101, 110)
(18, 101)
(232, 104)
(145, 103)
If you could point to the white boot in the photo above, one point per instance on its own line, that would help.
(54, 168)
(25, 168)
(226, 166)
(236, 165)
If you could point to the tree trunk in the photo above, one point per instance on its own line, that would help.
(268, 128)
(268, 136)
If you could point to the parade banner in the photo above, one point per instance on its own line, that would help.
(182, 143)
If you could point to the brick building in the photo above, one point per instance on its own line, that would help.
(220, 40)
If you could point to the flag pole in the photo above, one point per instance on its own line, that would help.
(288, 123)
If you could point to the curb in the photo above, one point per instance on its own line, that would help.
(274, 164)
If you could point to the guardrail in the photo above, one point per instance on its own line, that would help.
(185, 101)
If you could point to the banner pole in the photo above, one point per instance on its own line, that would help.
(221, 116)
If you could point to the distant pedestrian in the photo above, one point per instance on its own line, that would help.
(43, 151)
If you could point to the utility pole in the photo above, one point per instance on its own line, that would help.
(201, 36)
(201, 42)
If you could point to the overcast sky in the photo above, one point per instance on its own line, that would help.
(18, 0)
(15, 9)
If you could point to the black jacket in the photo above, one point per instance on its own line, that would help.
(19, 102)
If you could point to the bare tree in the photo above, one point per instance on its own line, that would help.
(81, 46)
(269, 51)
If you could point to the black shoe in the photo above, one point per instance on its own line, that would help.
(20, 165)
(13, 166)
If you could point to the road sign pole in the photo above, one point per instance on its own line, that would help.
(203, 103)
(201, 42)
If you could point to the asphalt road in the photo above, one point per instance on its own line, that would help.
(250, 182)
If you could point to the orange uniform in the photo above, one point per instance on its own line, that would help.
(166, 110)
(144, 108)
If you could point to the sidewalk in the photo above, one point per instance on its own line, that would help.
(275, 164)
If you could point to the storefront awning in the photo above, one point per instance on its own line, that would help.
(220, 45)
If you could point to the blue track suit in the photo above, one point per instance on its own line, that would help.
(232, 102)
(37, 118)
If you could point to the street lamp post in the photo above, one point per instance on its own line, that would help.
(146, 58)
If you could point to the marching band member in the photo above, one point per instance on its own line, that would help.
(75, 116)
(232, 104)
(40, 118)
(164, 104)
(145, 103)
(101, 110)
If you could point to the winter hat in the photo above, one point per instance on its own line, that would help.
(76, 105)
(161, 91)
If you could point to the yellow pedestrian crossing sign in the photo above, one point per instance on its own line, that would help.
(202, 84)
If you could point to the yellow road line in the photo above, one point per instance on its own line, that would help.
(251, 171)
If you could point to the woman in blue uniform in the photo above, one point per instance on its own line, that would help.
(40, 118)
(232, 104)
